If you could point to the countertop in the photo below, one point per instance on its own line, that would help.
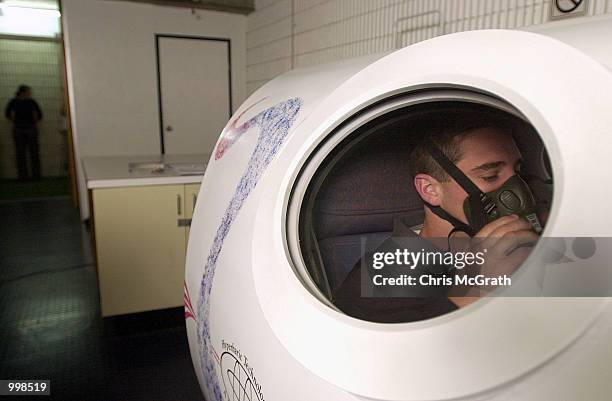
(122, 171)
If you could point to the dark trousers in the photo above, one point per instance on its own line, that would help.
(26, 139)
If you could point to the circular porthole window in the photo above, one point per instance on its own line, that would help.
(358, 188)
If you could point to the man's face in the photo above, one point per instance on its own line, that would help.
(489, 158)
(27, 94)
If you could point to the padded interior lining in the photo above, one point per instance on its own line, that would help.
(367, 191)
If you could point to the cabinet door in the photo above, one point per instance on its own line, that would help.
(141, 248)
(191, 196)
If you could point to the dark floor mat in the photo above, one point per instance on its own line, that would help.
(45, 188)
(50, 324)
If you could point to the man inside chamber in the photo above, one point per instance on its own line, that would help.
(466, 160)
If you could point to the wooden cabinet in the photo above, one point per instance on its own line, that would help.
(141, 237)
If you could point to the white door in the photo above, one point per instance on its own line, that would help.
(194, 93)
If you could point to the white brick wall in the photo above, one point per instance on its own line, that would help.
(284, 34)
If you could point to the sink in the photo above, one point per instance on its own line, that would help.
(179, 168)
(188, 168)
(148, 167)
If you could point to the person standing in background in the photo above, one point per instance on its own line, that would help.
(25, 114)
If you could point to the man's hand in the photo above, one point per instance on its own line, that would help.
(506, 242)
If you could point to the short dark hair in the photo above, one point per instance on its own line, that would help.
(447, 129)
(22, 89)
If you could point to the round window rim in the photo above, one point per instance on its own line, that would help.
(319, 154)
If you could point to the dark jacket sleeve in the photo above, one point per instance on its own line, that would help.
(386, 309)
(9, 109)
(37, 111)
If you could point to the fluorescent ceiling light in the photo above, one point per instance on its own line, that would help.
(18, 11)
(23, 20)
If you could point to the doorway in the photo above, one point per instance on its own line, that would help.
(36, 157)
(194, 97)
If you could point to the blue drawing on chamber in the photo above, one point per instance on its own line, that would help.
(274, 124)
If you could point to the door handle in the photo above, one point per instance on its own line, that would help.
(178, 204)
(169, 128)
(183, 222)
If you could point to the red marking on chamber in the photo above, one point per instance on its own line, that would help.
(189, 313)
(234, 132)
(216, 355)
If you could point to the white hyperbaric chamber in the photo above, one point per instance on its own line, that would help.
(260, 323)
